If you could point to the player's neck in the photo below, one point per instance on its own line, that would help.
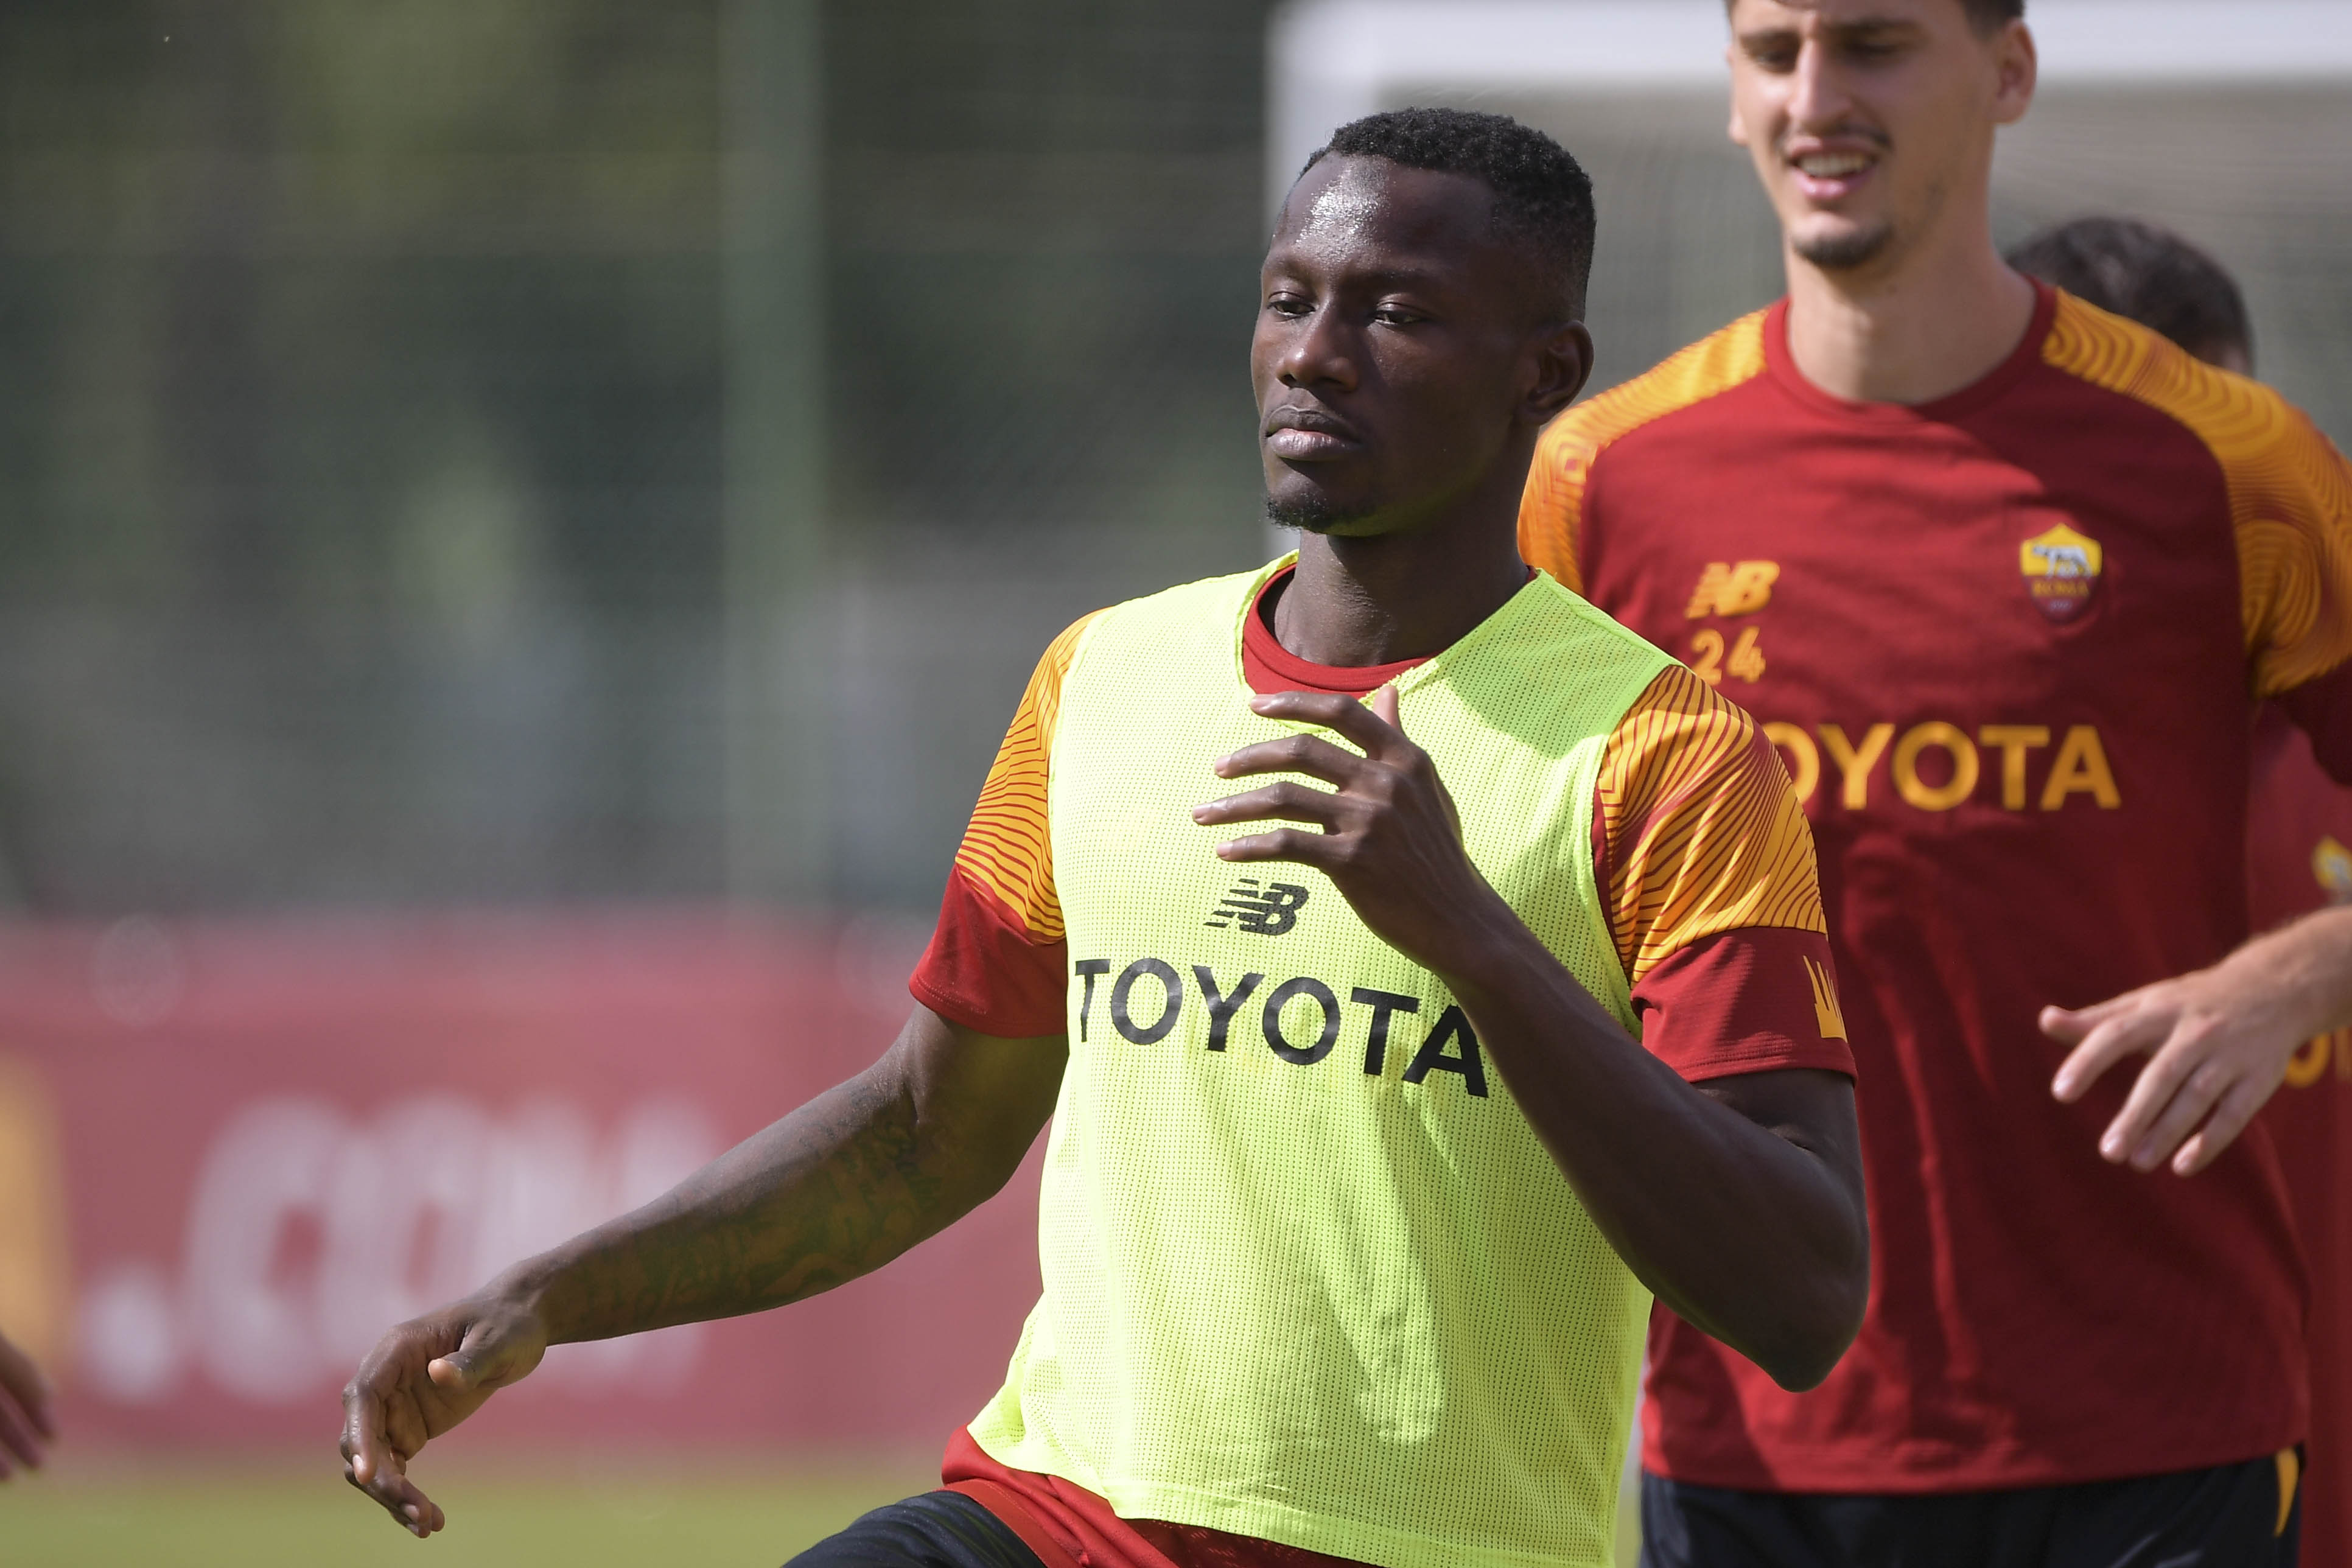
(1941, 318)
(1357, 602)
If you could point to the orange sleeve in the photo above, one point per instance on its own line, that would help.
(996, 958)
(2290, 490)
(1006, 850)
(1697, 828)
(2294, 553)
(1707, 865)
(1551, 507)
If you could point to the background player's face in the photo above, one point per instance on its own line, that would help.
(1405, 356)
(1871, 122)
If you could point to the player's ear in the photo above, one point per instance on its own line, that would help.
(1563, 361)
(2019, 65)
(1736, 128)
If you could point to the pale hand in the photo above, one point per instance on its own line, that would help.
(2218, 1041)
(422, 1378)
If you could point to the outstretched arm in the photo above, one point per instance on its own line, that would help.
(2218, 1041)
(1738, 1202)
(834, 1190)
(25, 1420)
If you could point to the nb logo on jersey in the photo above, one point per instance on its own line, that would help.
(1826, 1014)
(1267, 908)
(1724, 589)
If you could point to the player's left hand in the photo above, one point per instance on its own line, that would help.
(25, 1424)
(1391, 839)
(2218, 1042)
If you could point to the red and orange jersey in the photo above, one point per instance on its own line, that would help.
(2288, 496)
(2007, 644)
(1006, 851)
(1706, 861)
(2299, 859)
(1696, 830)
(994, 963)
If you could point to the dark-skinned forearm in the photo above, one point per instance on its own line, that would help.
(833, 1191)
(1741, 1229)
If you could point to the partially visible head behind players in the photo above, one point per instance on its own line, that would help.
(1541, 197)
(1871, 122)
(2150, 275)
(1418, 323)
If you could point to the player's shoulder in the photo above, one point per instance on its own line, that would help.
(1054, 665)
(2260, 440)
(1560, 624)
(1716, 364)
(1197, 616)
(1681, 716)
(1189, 602)
(1551, 658)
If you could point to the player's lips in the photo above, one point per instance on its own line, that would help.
(1299, 435)
(1825, 174)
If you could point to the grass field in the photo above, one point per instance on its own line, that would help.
(728, 1513)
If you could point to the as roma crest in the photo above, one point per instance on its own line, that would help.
(2060, 569)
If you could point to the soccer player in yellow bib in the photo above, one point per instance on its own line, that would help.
(1397, 1050)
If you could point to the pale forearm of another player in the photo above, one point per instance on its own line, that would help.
(2218, 1040)
(2305, 970)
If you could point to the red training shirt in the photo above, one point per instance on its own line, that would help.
(2298, 859)
(2008, 642)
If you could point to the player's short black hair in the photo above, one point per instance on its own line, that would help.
(1543, 198)
(1988, 14)
(1985, 17)
(2145, 272)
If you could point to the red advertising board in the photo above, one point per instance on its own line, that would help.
(232, 1154)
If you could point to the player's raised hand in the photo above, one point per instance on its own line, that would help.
(25, 1420)
(422, 1378)
(1390, 839)
(2218, 1042)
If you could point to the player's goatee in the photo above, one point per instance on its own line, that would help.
(1313, 514)
(1844, 252)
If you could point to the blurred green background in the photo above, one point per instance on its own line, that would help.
(461, 451)
(520, 451)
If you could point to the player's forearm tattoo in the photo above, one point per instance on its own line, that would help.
(833, 1191)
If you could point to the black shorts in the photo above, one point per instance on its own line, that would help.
(2226, 1517)
(934, 1529)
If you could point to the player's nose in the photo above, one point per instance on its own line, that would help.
(1819, 99)
(1318, 352)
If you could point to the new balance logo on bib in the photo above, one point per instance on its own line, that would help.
(1264, 909)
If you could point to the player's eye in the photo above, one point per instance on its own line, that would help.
(1778, 56)
(1397, 316)
(1287, 305)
